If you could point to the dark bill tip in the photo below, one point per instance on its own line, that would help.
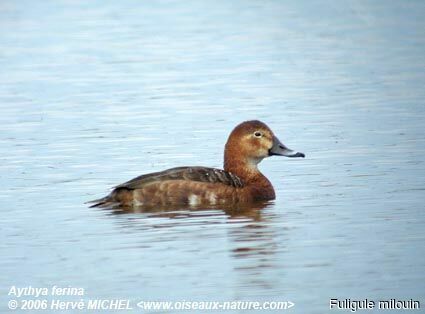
(297, 154)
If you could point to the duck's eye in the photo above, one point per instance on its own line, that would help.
(258, 134)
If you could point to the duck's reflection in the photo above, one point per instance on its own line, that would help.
(253, 249)
(251, 235)
(252, 211)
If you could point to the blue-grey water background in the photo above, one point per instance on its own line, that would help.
(93, 93)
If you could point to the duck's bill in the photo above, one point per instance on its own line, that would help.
(279, 149)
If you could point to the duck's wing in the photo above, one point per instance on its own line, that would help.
(200, 174)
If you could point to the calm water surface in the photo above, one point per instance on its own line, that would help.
(95, 93)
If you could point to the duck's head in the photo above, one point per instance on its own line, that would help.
(252, 141)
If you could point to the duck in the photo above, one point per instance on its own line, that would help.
(239, 182)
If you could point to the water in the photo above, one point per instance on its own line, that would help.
(95, 93)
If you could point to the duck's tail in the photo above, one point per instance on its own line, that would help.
(102, 202)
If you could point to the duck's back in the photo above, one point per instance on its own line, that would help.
(182, 185)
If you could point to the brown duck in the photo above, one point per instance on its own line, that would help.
(240, 181)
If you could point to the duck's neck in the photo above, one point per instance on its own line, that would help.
(245, 169)
(251, 176)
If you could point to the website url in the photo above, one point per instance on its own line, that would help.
(214, 305)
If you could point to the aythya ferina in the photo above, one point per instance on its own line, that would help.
(240, 181)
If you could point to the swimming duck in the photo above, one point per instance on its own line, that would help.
(240, 181)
